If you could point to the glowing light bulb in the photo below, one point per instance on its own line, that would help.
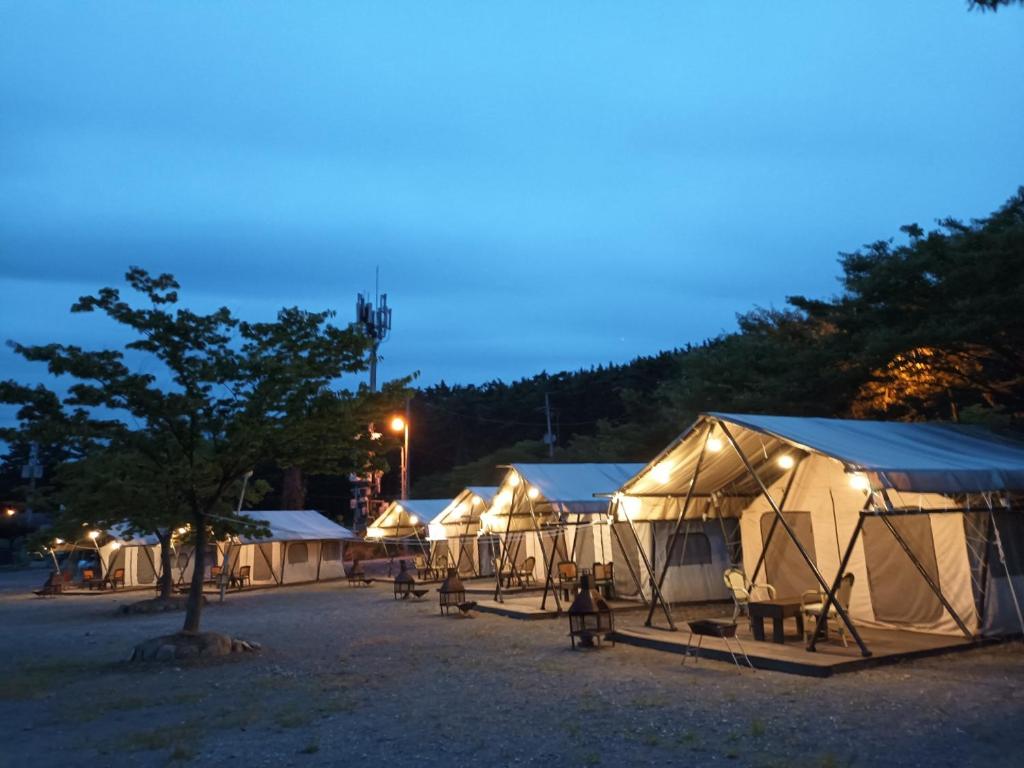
(860, 481)
(398, 424)
(58, 541)
(115, 545)
(399, 508)
(94, 535)
(533, 493)
(413, 519)
(714, 444)
(662, 472)
(477, 500)
(785, 461)
(513, 479)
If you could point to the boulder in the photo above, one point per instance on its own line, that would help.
(185, 645)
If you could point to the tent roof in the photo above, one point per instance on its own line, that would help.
(298, 525)
(486, 494)
(394, 523)
(914, 457)
(568, 483)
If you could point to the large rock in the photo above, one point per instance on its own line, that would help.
(158, 605)
(185, 645)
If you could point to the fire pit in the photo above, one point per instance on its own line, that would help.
(590, 618)
(452, 592)
(404, 582)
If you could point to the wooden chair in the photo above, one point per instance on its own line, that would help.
(813, 602)
(423, 568)
(53, 586)
(243, 577)
(604, 578)
(736, 583)
(525, 574)
(115, 578)
(89, 579)
(568, 577)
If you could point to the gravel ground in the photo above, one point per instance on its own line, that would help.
(350, 675)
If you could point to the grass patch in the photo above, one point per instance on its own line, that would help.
(182, 753)
(293, 718)
(36, 681)
(148, 740)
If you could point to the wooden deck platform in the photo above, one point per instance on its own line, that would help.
(831, 658)
(527, 606)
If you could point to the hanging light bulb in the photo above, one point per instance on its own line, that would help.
(533, 493)
(714, 444)
(860, 481)
(513, 479)
(785, 461)
(662, 472)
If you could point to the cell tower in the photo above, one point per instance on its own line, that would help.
(373, 319)
(375, 323)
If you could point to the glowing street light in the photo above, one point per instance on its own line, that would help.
(398, 424)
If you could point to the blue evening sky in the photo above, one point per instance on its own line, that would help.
(543, 185)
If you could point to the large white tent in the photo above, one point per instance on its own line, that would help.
(406, 520)
(302, 546)
(922, 515)
(454, 532)
(555, 512)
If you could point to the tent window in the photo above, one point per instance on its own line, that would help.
(785, 567)
(332, 550)
(298, 554)
(698, 549)
(898, 593)
(1011, 533)
(116, 561)
(624, 550)
(262, 558)
(144, 573)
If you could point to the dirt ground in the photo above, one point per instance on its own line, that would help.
(350, 675)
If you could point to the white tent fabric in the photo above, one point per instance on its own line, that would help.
(569, 501)
(397, 521)
(453, 532)
(298, 525)
(302, 546)
(824, 473)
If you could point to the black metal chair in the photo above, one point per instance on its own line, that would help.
(719, 628)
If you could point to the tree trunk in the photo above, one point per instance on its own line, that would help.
(165, 564)
(194, 606)
(293, 494)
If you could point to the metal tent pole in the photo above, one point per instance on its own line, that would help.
(920, 568)
(633, 575)
(823, 617)
(792, 535)
(679, 524)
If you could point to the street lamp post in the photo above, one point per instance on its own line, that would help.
(398, 424)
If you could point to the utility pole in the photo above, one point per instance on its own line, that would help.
(373, 319)
(31, 471)
(549, 438)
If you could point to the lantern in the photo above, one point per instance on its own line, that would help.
(452, 592)
(404, 582)
(589, 615)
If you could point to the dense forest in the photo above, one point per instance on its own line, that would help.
(926, 325)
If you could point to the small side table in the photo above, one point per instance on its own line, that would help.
(778, 610)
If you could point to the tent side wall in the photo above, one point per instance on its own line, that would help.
(888, 591)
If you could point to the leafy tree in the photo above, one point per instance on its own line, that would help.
(218, 405)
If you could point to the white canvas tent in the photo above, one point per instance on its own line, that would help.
(921, 514)
(302, 546)
(555, 512)
(406, 520)
(453, 533)
(111, 550)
